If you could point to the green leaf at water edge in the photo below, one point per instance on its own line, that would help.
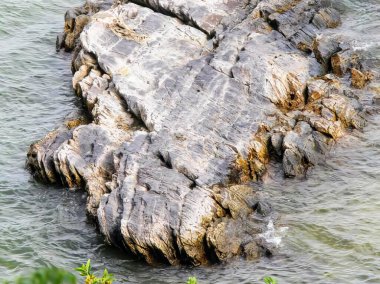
(85, 269)
(107, 277)
(47, 276)
(270, 280)
(192, 280)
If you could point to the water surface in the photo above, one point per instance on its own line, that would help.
(333, 217)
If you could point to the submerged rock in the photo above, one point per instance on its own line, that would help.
(187, 102)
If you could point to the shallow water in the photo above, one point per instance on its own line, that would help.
(333, 217)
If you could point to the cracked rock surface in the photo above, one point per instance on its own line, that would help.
(188, 101)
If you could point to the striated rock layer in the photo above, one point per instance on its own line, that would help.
(186, 102)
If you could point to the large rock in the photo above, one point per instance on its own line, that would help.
(187, 101)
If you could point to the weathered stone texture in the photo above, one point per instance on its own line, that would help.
(187, 101)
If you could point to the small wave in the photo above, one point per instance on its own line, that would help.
(363, 46)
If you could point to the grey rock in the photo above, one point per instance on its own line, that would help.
(323, 48)
(327, 18)
(187, 101)
(376, 99)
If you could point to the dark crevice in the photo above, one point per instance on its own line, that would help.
(273, 154)
(327, 135)
(183, 18)
(158, 255)
(267, 253)
(251, 172)
(225, 209)
(123, 245)
(147, 186)
(193, 185)
(305, 161)
(306, 95)
(230, 75)
(166, 163)
(72, 177)
(275, 25)
(175, 245)
(210, 251)
(211, 36)
(262, 208)
(115, 235)
(181, 254)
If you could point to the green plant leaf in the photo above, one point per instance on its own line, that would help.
(88, 267)
(269, 280)
(82, 270)
(47, 276)
(192, 280)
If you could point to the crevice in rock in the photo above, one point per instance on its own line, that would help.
(176, 247)
(181, 17)
(165, 162)
(210, 251)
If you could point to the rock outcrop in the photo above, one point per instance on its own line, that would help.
(188, 101)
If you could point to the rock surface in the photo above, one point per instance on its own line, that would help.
(186, 102)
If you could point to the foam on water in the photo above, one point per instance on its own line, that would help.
(272, 235)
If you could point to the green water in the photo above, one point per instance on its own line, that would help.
(333, 218)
